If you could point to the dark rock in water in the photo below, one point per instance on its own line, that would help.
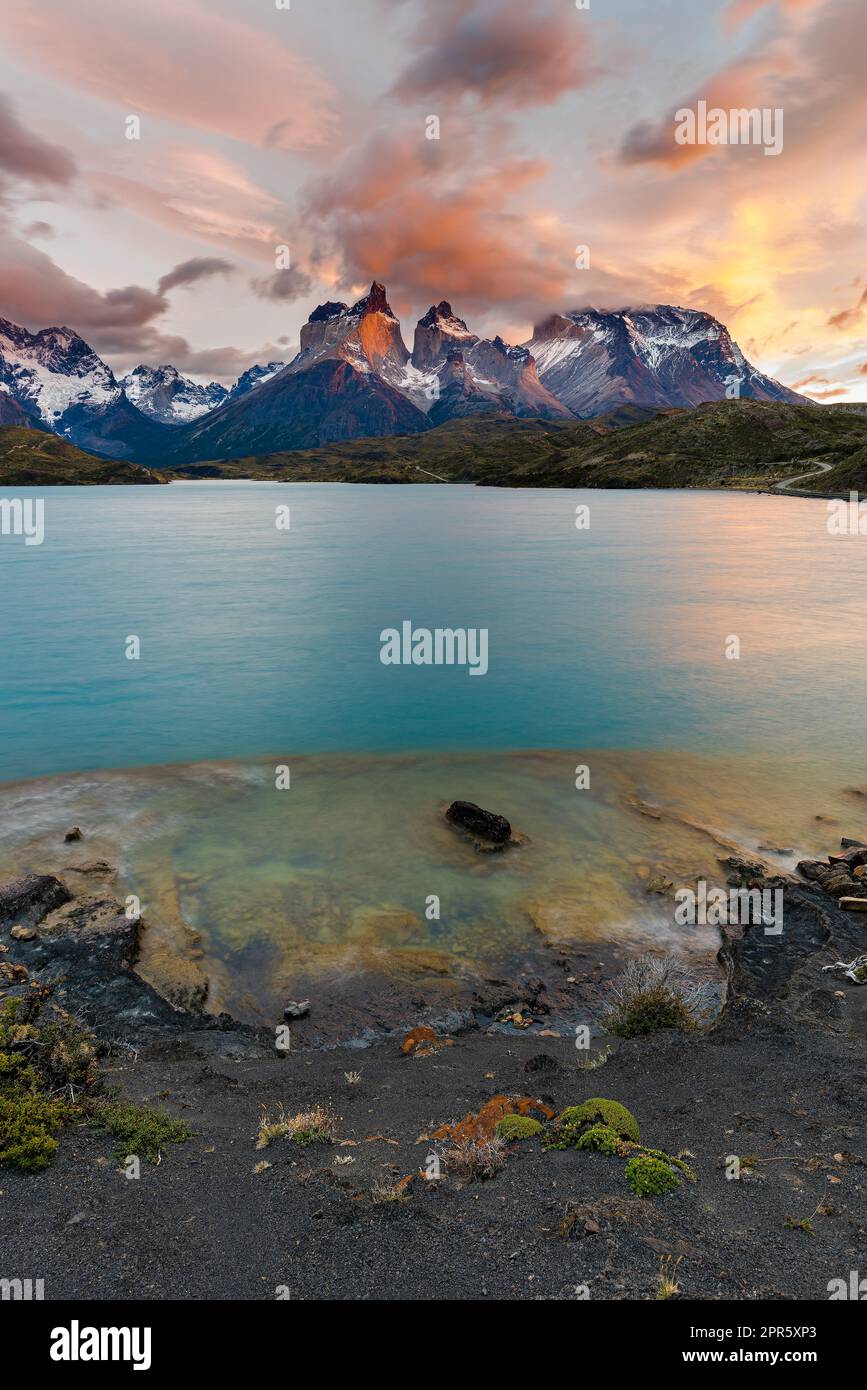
(851, 857)
(846, 843)
(481, 824)
(296, 1010)
(26, 901)
(73, 834)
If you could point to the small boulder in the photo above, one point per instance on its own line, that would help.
(73, 834)
(22, 933)
(482, 825)
(294, 1010)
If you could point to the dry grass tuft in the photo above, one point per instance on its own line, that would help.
(314, 1126)
(475, 1158)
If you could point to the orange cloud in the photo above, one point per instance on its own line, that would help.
(847, 318)
(399, 209)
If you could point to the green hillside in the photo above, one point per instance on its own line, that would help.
(742, 444)
(34, 458)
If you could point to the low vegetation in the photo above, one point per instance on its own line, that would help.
(315, 1126)
(144, 1133)
(576, 1119)
(655, 993)
(49, 1078)
(471, 1159)
(513, 1127)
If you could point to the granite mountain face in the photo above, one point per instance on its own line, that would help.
(660, 356)
(355, 378)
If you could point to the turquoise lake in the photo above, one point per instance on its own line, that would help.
(260, 647)
(259, 641)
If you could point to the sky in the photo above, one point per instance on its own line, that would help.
(284, 159)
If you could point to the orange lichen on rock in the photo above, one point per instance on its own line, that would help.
(484, 1125)
(424, 1039)
(421, 1042)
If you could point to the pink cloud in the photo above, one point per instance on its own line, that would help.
(180, 60)
(26, 156)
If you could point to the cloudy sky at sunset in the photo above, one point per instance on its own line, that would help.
(306, 126)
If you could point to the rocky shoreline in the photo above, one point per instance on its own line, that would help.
(778, 1079)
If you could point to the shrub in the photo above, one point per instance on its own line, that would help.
(518, 1127)
(601, 1139)
(138, 1131)
(650, 1177)
(575, 1119)
(28, 1124)
(653, 993)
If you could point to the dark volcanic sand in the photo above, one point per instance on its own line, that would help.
(782, 1075)
(202, 1225)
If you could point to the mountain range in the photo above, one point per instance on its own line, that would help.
(355, 378)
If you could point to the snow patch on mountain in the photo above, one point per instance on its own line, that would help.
(52, 371)
(164, 395)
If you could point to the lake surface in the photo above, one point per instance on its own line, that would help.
(260, 648)
(257, 641)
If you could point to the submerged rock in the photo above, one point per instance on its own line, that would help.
(485, 826)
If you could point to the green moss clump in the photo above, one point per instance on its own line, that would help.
(601, 1139)
(671, 1160)
(598, 1111)
(651, 1177)
(518, 1127)
(138, 1131)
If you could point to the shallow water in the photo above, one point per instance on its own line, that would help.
(325, 886)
